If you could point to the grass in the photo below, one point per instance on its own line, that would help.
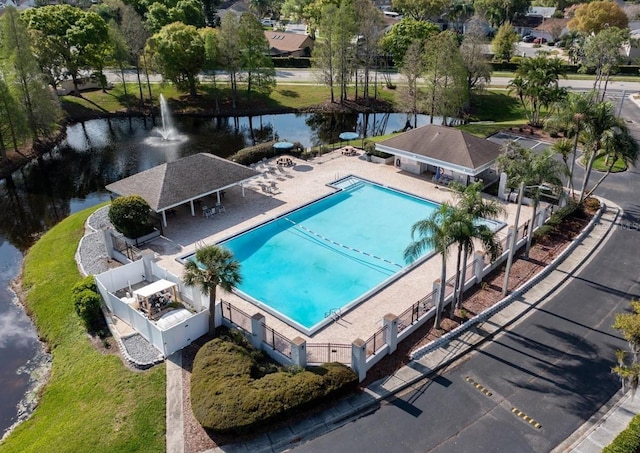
(92, 402)
(600, 165)
(498, 109)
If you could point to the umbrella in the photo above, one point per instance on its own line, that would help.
(283, 146)
(348, 136)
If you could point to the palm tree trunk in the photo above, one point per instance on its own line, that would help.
(602, 178)
(587, 173)
(573, 161)
(456, 288)
(212, 313)
(463, 277)
(440, 301)
(530, 229)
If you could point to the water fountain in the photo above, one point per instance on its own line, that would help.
(167, 133)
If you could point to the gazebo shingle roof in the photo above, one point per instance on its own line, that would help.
(446, 144)
(180, 181)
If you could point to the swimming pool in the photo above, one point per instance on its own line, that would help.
(330, 254)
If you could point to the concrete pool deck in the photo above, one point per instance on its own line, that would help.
(293, 187)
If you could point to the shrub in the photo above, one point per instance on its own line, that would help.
(86, 283)
(232, 393)
(87, 306)
(628, 441)
(130, 216)
(592, 204)
(260, 151)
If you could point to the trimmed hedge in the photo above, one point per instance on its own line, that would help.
(87, 301)
(230, 392)
(256, 153)
(291, 62)
(628, 441)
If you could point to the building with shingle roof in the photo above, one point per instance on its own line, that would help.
(441, 149)
(183, 181)
(285, 44)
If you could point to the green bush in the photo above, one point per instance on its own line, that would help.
(86, 283)
(628, 441)
(260, 151)
(370, 147)
(231, 393)
(130, 216)
(87, 306)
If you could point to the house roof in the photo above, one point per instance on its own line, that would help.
(174, 183)
(544, 11)
(286, 42)
(445, 147)
(554, 23)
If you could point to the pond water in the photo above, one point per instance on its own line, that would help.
(97, 152)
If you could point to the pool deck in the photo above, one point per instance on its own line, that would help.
(295, 186)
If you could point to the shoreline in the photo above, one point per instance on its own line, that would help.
(38, 367)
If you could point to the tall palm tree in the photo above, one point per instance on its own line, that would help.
(572, 114)
(542, 171)
(434, 232)
(622, 146)
(470, 201)
(601, 127)
(214, 266)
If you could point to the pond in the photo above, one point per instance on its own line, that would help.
(97, 152)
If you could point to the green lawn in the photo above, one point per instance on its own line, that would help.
(492, 111)
(92, 402)
(600, 164)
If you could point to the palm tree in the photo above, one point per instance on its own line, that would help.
(622, 146)
(602, 126)
(470, 201)
(572, 115)
(214, 266)
(537, 88)
(434, 232)
(542, 171)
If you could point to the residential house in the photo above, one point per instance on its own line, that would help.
(551, 29)
(284, 44)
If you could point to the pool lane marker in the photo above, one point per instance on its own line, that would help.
(480, 387)
(526, 418)
(341, 245)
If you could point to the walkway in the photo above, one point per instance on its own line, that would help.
(599, 431)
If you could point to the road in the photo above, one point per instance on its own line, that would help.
(554, 365)
(307, 76)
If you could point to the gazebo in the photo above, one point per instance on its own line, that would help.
(158, 294)
(183, 181)
(438, 149)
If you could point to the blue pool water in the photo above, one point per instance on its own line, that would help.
(329, 254)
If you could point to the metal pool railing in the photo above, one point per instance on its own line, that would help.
(236, 316)
(328, 352)
(277, 341)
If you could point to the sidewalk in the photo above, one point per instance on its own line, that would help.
(588, 439)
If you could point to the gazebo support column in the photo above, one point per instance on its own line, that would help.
(218, 196)
(193, 211)
(164, 217)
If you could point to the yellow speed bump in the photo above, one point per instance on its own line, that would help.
(480, 387)
(526, 418)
